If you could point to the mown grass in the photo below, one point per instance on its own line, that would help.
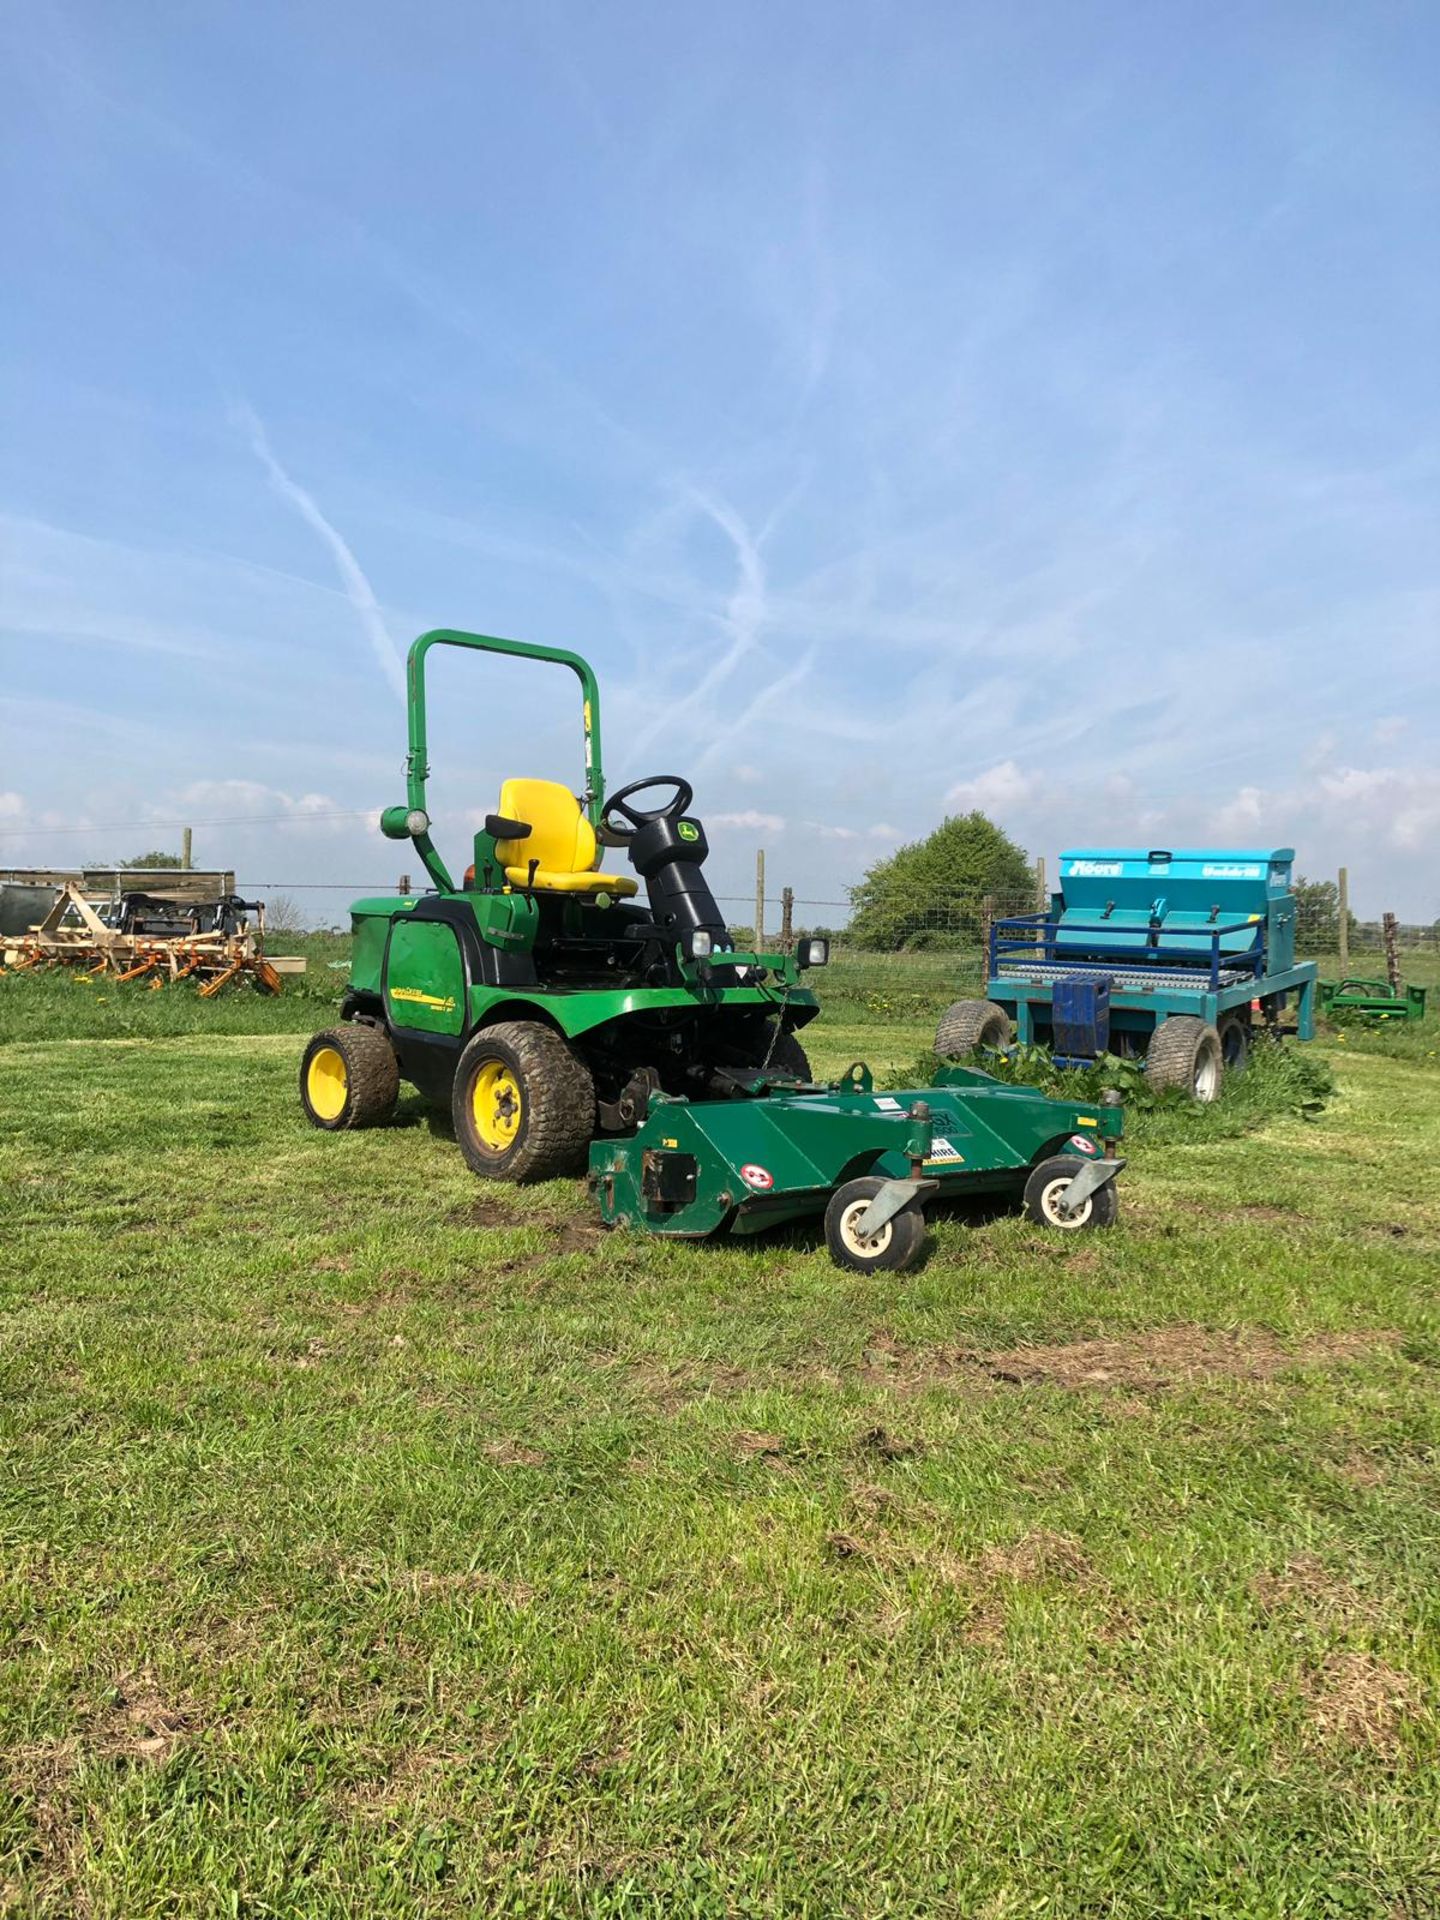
(375, 1543)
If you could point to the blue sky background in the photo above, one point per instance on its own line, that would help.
(906, 407)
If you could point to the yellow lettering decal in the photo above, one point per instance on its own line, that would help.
(447, 1005)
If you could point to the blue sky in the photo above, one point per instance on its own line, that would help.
(905, 407)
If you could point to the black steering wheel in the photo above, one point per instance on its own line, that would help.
(633, 818)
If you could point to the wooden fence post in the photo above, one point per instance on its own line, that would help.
(1344, 930)
(787, 920)
(404, 885)
(1392, 957)
(1042, 896)
(760, 900)
(987, 920)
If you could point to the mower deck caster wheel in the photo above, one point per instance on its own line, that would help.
(1044, 1193)
(896, 1246)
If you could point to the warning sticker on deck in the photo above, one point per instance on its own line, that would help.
(942, 1149)
(886, 1104)
(1082, 1143)
(760, 1178)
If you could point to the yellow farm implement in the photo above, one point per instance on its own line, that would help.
(72, 934)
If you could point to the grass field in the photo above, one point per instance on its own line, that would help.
(379, 1543)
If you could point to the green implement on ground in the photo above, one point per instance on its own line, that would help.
(547, 1008)
(870, 1162)
(1374, 998)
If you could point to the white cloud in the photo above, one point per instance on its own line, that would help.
(1244, 813)
(881, 830)
(239, 801)
(1387, 729)
(1398, 805)
(756, 822)
(12, 806)
(747, 775)
(999, 787)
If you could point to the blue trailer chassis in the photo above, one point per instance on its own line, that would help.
(1025, 967)
(1135, 938)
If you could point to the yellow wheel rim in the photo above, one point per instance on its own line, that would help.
(327, 1083)
(496, 1103)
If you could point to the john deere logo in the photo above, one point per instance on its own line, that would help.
(688, 830)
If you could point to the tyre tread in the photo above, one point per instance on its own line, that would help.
(560, 1121)
(1172, 1055)
(970, 1024)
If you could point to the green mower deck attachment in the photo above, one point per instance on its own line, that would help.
(1373, 998)
(868, 1161)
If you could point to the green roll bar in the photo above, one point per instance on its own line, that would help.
(412, 821)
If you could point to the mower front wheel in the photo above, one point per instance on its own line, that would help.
(349, 1077)
(896, 1246)
(523, 1103)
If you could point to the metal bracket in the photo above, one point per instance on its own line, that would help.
(1091, 1177)
(892, 1198)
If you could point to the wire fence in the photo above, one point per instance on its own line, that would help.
(954, 922)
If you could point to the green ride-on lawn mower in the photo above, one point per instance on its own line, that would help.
(554, 1014)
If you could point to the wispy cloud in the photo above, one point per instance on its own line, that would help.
(743, 618)
(358, 590)
(771, 691)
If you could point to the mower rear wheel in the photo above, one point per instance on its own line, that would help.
(523, 1103)
(897, 1245)
(970, 1024)
(1185, 1052)
(349, 1077)
(1045, 1190)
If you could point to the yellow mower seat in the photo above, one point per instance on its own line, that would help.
(560, 838)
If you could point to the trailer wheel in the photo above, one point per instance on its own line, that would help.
(969, 1024)
(523, 1103)
(897, 1245)
(1047, 1184)
(349, 1077)
(1235, 1043)
(1184, 1052)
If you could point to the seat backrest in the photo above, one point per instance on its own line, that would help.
(560, 837)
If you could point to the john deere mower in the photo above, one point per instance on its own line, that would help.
(554, 1012)
(538, 999)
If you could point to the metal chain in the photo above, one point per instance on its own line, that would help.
(778, 1028)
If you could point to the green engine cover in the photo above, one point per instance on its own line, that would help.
(425, 978)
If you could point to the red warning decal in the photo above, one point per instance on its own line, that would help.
(1083, 1143)
(759, 1177)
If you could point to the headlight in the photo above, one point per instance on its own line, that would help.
(814, 953)
(404, 823)
(702, 944)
